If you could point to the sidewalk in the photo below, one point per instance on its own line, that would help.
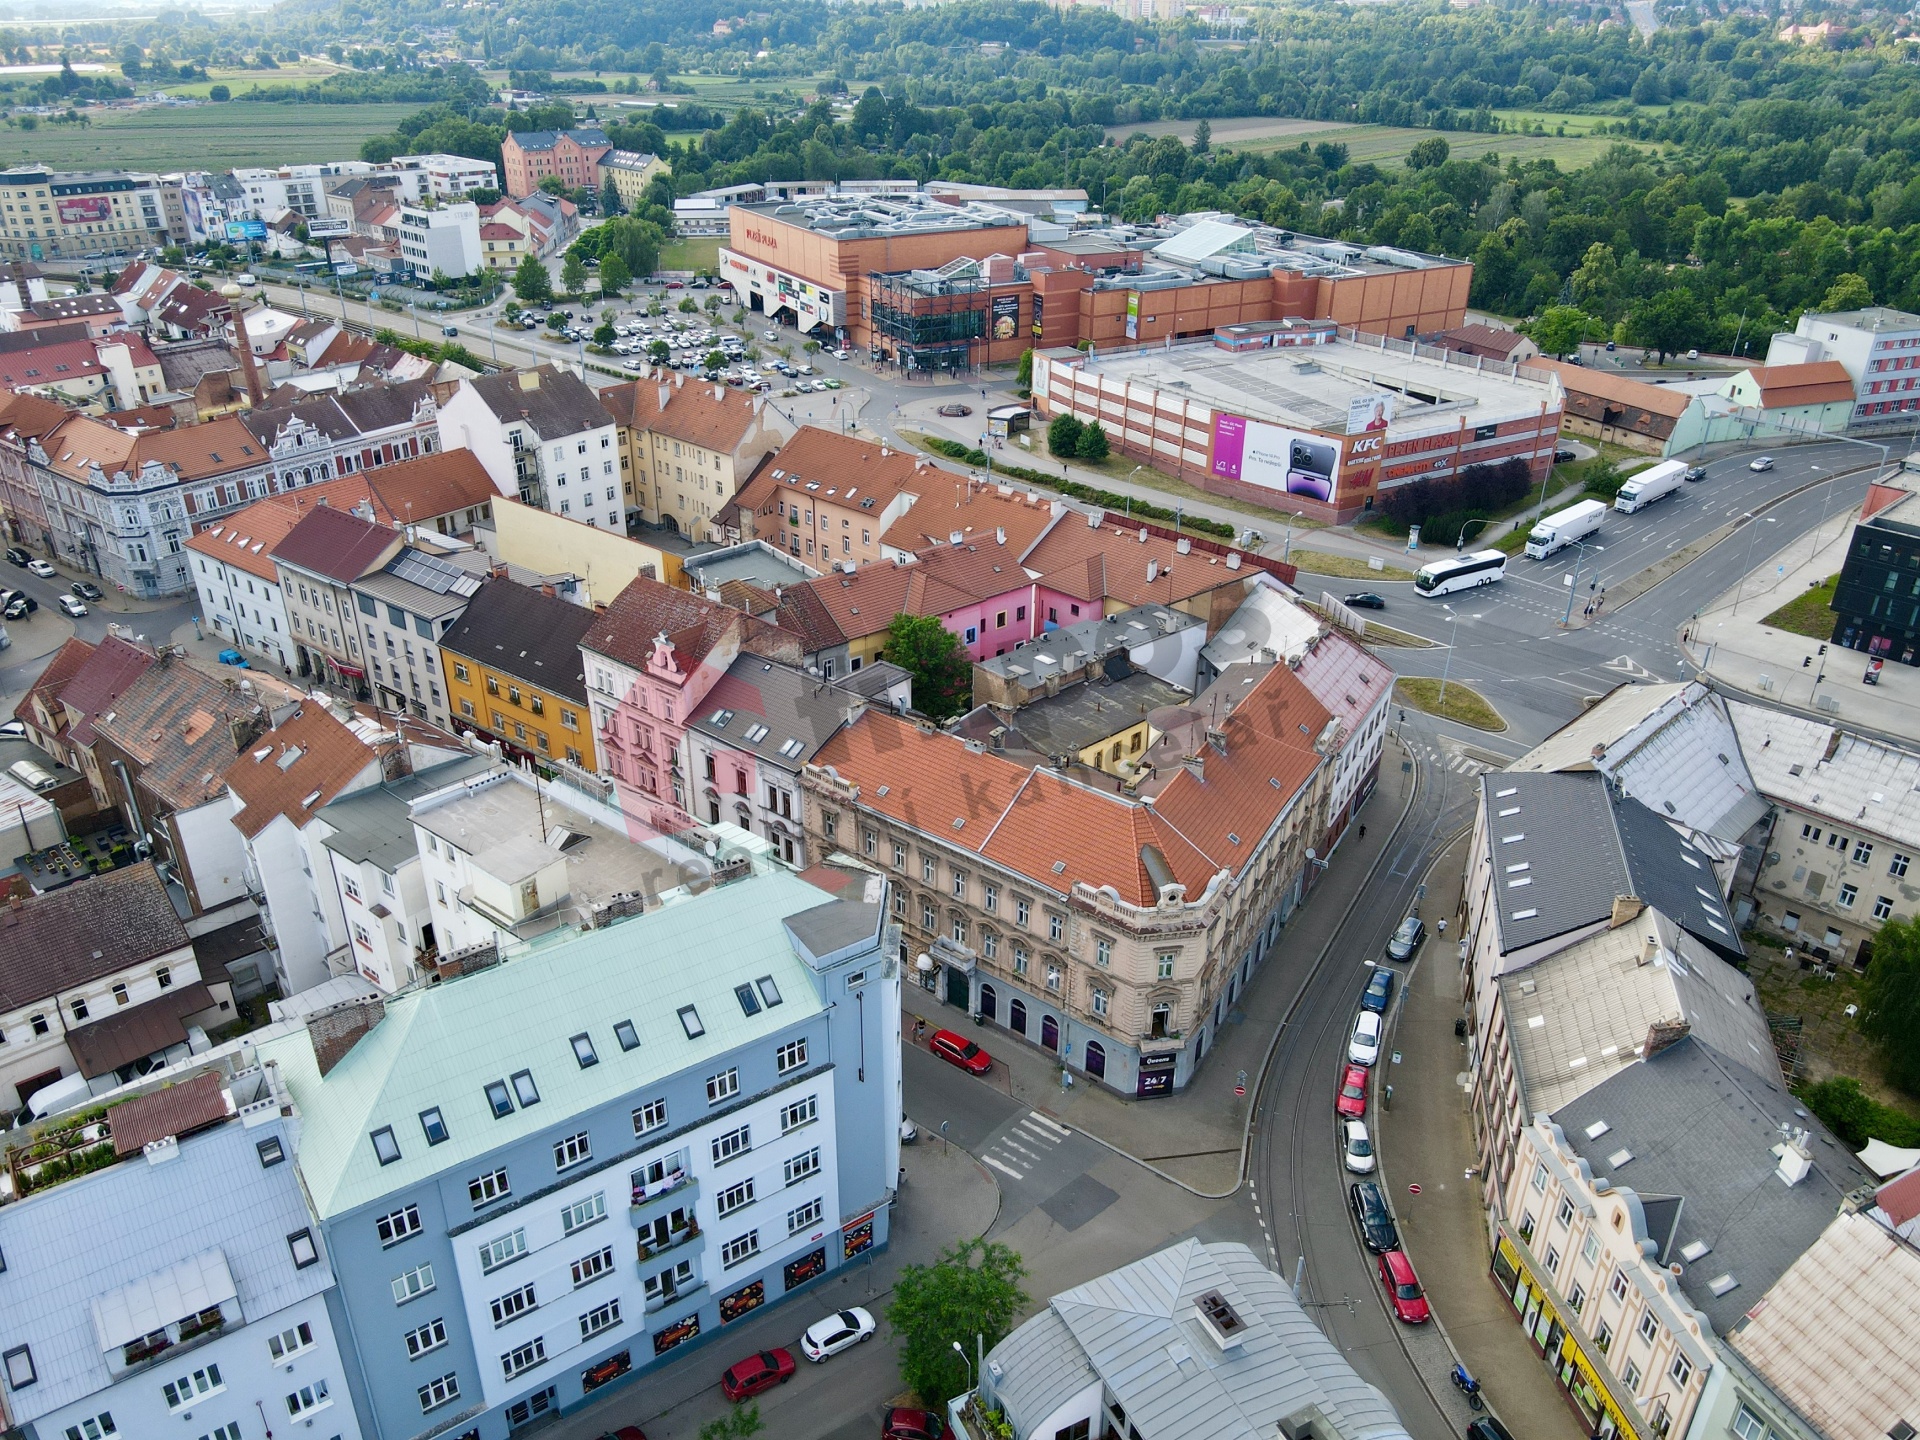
(1425, 1139)
(1732, 648)
(1195, 1137)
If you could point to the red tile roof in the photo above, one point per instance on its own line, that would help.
(246, 539)
(298, 766)
(105, 675)
(44, 694)
(177, 1110)
(713, 417)
(976, 510)
(337, 544)
(695, 625)
(1820, 382)
(845, 471)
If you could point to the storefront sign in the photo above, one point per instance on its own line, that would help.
(676, 1333)
(1156, 1074)
(84, 209)
(813, 1263)
(1039, 310)
(1133, 314)
(859, 1236)
(747, 1297)
(611, 1368)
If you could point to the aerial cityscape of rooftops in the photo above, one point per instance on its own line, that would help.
(1207, 715)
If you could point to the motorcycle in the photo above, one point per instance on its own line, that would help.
(1466, 1385)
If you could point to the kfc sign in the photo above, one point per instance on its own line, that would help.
(760, 237)
(1363, 445)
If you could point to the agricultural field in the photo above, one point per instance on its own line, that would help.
(1244, 133)
(302, 72)
(204, 137)
(1389, 144)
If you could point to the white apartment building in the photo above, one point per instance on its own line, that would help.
(1879, 349)
(447, 177)
(303, 188)
(442, 239)
(543, 436)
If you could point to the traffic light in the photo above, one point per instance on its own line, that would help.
(1823, 649)
(1806, 662)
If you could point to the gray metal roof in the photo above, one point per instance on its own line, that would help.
(1564, 846)
(776, 712)
(1701, 1125)
(1087, 713)
(1138, 1332)
(1072, 646)
(374, 824)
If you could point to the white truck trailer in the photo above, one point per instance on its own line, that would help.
(1656, 482)
(1563, 527)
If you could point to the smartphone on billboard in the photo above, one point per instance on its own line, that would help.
(1310, 467)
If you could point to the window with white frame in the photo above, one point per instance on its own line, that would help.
(959, 884)
(899, 856)
(1749, 1426)
(790, 1056)
(734, 1142)
(602, 1317)
(1100, 1003)
(1590, 1247)
(1862, 852)
(1022, 910)
(589, 1268)
(1618, 1289)
(1882, 907)
(1631, 1375)
(928, 919)
(487, 1188)
(583, 1213)
(1102, 950)
(800, 1112)
(741, 1247)
(723, 1086)
(1577, 1298)
(1056, 927)
(990, 898)
(412, 1285)
(289, 1343)
(989, 944)
(503, 1251)
(1163, 965)
(572, 1150)
(928, 869)
(804, 1217)
(426, 1338)
(1565, 1213)
(1681, 1370)
(399, 1225)
(806, 1163)
(1019, 959)
(735, 1197)
(94, 1427)
(188, 1388)
(1053, 977)
(436, 1393)
(307, 1399)
(512, 1305)
(524, 1357)
(1649, 1327)
(650, 1116)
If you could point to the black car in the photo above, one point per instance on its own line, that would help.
(1369, 1205)
(87, 590)
(1488, 1428)
(18, 608)
(1695, 473)
(1406, 939)
(1562, 455)
(17, 556)
(1365, 600)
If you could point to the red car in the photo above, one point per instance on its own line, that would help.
(756, 1374)
(1403, 1288)
(960, 1051)
(905, 1424)
(1352, 1102)
(625, 1432)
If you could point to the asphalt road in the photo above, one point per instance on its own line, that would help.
(1507, 640)
(16, 677)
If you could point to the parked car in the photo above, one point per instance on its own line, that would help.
(843, 354)
(1765, 462)
(840, 1331)
(956, 410)
(903, 1423)
(43, 570)
(1351, 1103)
(73, 605)
(86, 590)
(1364, 1047)
(1357, 1147)
(1403, 1288)
(1379, 991)
(233, 657)
(769, 334)
(1488, 1428)
(17, 556)
(1369, 1205)
(1695, 473)
(1406, 939)
(1562, 455)
(757, 1374)
(19, 607)
(958, 1050)
(13, 730)
(1365, 600)
(625, 1432)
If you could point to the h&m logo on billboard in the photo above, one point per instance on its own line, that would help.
(761, 237)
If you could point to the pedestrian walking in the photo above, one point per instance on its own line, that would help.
(1363, 832)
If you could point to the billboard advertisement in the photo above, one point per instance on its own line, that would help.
(1289, 461)
(1039, 313)
(1370, 411)
(246, 229)
(1133, 314)
(84, 209)
(1006, 316)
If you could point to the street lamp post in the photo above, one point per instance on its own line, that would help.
(1286, 550)
(1573, 588)
(961, 1351)
(1453, 640)
(1460, 540)
(1746, 564)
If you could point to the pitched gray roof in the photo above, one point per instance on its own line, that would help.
(796, 709)
(1564, 846)
(83, 931)
(555, 402)
(373, 824)
(1136, 1330)
(1700, 1126)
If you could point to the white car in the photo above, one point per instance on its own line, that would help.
(843, 354)
(72, 604)
(1358, 1148)
(1364, 1047)
(43, 570)
(1765, 462)
(770, 334)
(840, 1331)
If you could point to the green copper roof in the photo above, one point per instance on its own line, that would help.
(440, 1047)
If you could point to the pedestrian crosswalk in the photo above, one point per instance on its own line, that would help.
(1024, 1144)
(1461, 765)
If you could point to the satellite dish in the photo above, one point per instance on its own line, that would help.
(713, 848)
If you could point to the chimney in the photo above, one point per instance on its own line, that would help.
(530, 379)
(1664, 1035)
(334, 1032)
(680, 381)
(1197, 763)
(256, 389)
(1153, 571)
(1796, 1161)
(1599, 753)
(1649, 949)
(999, 534)
(666, 394)
(1625, 908)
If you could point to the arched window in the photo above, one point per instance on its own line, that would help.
(1017, 1017)
(989, 1003)
(1096, 1060)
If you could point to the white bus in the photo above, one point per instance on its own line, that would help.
(1443, 577)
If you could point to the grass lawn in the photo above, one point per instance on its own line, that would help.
(1344, 567)
(1468, 707)
(1808, 614)
(304, 72)
(1389, 144)
(209, 137)
(701, 254)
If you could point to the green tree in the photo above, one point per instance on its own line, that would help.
(531, 283)
(660, 352)
(1848, 292)
(1024, 376)
(739, 1423)
(973, 1289)
(635, 241)
(1202, 136)
(218, 93)
(1666, 323)
(1093, 443)
(1430, 154)
(614, 275)
(573, 274)
(1891, 1014)
(603, 334)
(1597, 280)
(688, 307)
(716, 359)
(932, 654)
(1560, 329)
(1063, 436)
(610, 202)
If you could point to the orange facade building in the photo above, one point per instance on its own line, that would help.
(933, 286)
